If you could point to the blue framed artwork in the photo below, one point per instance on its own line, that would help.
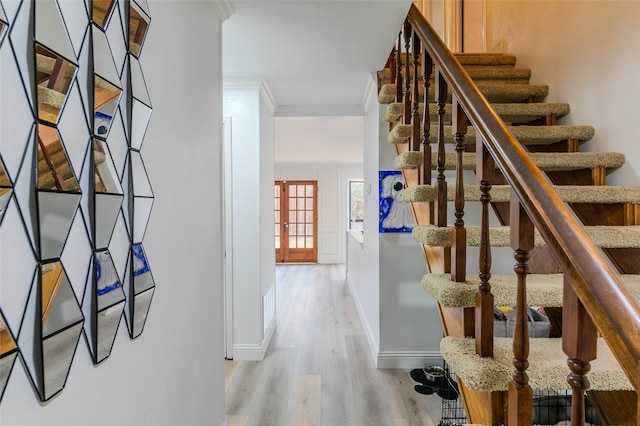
(395, 214)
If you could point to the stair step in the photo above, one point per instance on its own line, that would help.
(546, 161)
(526, 135)
(479, 74)
(542, 289)
(602, 236)
(502, 193)
(484, 59)
(547, 365)
(509, 113)
(504, 93)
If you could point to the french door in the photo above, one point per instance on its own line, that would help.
(296, 217)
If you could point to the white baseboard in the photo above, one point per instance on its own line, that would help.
(368, 332)
(255, 352)
(408, 359)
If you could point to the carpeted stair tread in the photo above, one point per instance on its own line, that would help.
(542, 289)
(546, 161)
(547, 365)
(508, 112)
(485, 59)
(526, 135)
(494, 93)
(501, 193)
(499, 236)
(479, 74)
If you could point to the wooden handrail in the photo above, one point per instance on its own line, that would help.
(592, 276)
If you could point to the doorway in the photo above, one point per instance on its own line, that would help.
(296, 221)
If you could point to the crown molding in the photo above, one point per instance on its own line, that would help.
(369, 92)
(256, 84)
(223, 8)
(319, 111)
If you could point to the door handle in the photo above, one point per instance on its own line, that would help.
(286, 225)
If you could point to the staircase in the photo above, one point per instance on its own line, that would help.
(576, 241)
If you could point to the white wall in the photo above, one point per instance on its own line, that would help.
(385, 271)
(362, 259)
(253, 254)
(585, 52)
(173, 373)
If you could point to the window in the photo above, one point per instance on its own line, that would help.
(356, 205)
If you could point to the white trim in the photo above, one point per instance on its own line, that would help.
(242, 83)
(265, 91)
(320, 111)
(223, 9)
(408, 359)
(255, 352)
(373, 345)
(370, 91)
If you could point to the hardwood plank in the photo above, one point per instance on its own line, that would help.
(318, 368)
(338, 404)
(305, 401)
(269, 408)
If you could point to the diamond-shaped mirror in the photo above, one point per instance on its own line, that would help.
(107, 192)
(106, 296)
(140, 286)
(4, 24)
(6, 189)
(51, 31)
(101, 12)
(62, 322)
(142, 197)
(58, 193)
(140, 105)
(138, 25)
(54, 76)
(50, 330)
(8, 353)
(106, 84)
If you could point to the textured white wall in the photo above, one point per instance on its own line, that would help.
(173, 373)
(586, 53)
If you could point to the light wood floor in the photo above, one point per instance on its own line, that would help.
(318, 368)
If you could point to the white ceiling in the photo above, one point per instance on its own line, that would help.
(316, 59)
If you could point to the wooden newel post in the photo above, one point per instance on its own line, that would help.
(522, 242)
(459, 236)
(579, 342)
(485, 173)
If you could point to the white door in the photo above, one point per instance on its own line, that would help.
(228, 238)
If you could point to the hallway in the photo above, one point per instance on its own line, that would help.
(318, 369)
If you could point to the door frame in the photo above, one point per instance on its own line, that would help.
(227, 236)
(284, 228)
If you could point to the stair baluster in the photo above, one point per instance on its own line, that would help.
(485, 173)
(522, 242)
(441, 183)
(407, 75)
(415, 118)
(398, 79)
(425, 172)
(459, 237)
(57, 179)
(579, 342)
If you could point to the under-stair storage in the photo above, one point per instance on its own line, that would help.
(576, 241)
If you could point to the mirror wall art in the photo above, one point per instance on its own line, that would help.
(59, 158)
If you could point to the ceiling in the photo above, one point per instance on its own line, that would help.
(311, 54)
(316, 59)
